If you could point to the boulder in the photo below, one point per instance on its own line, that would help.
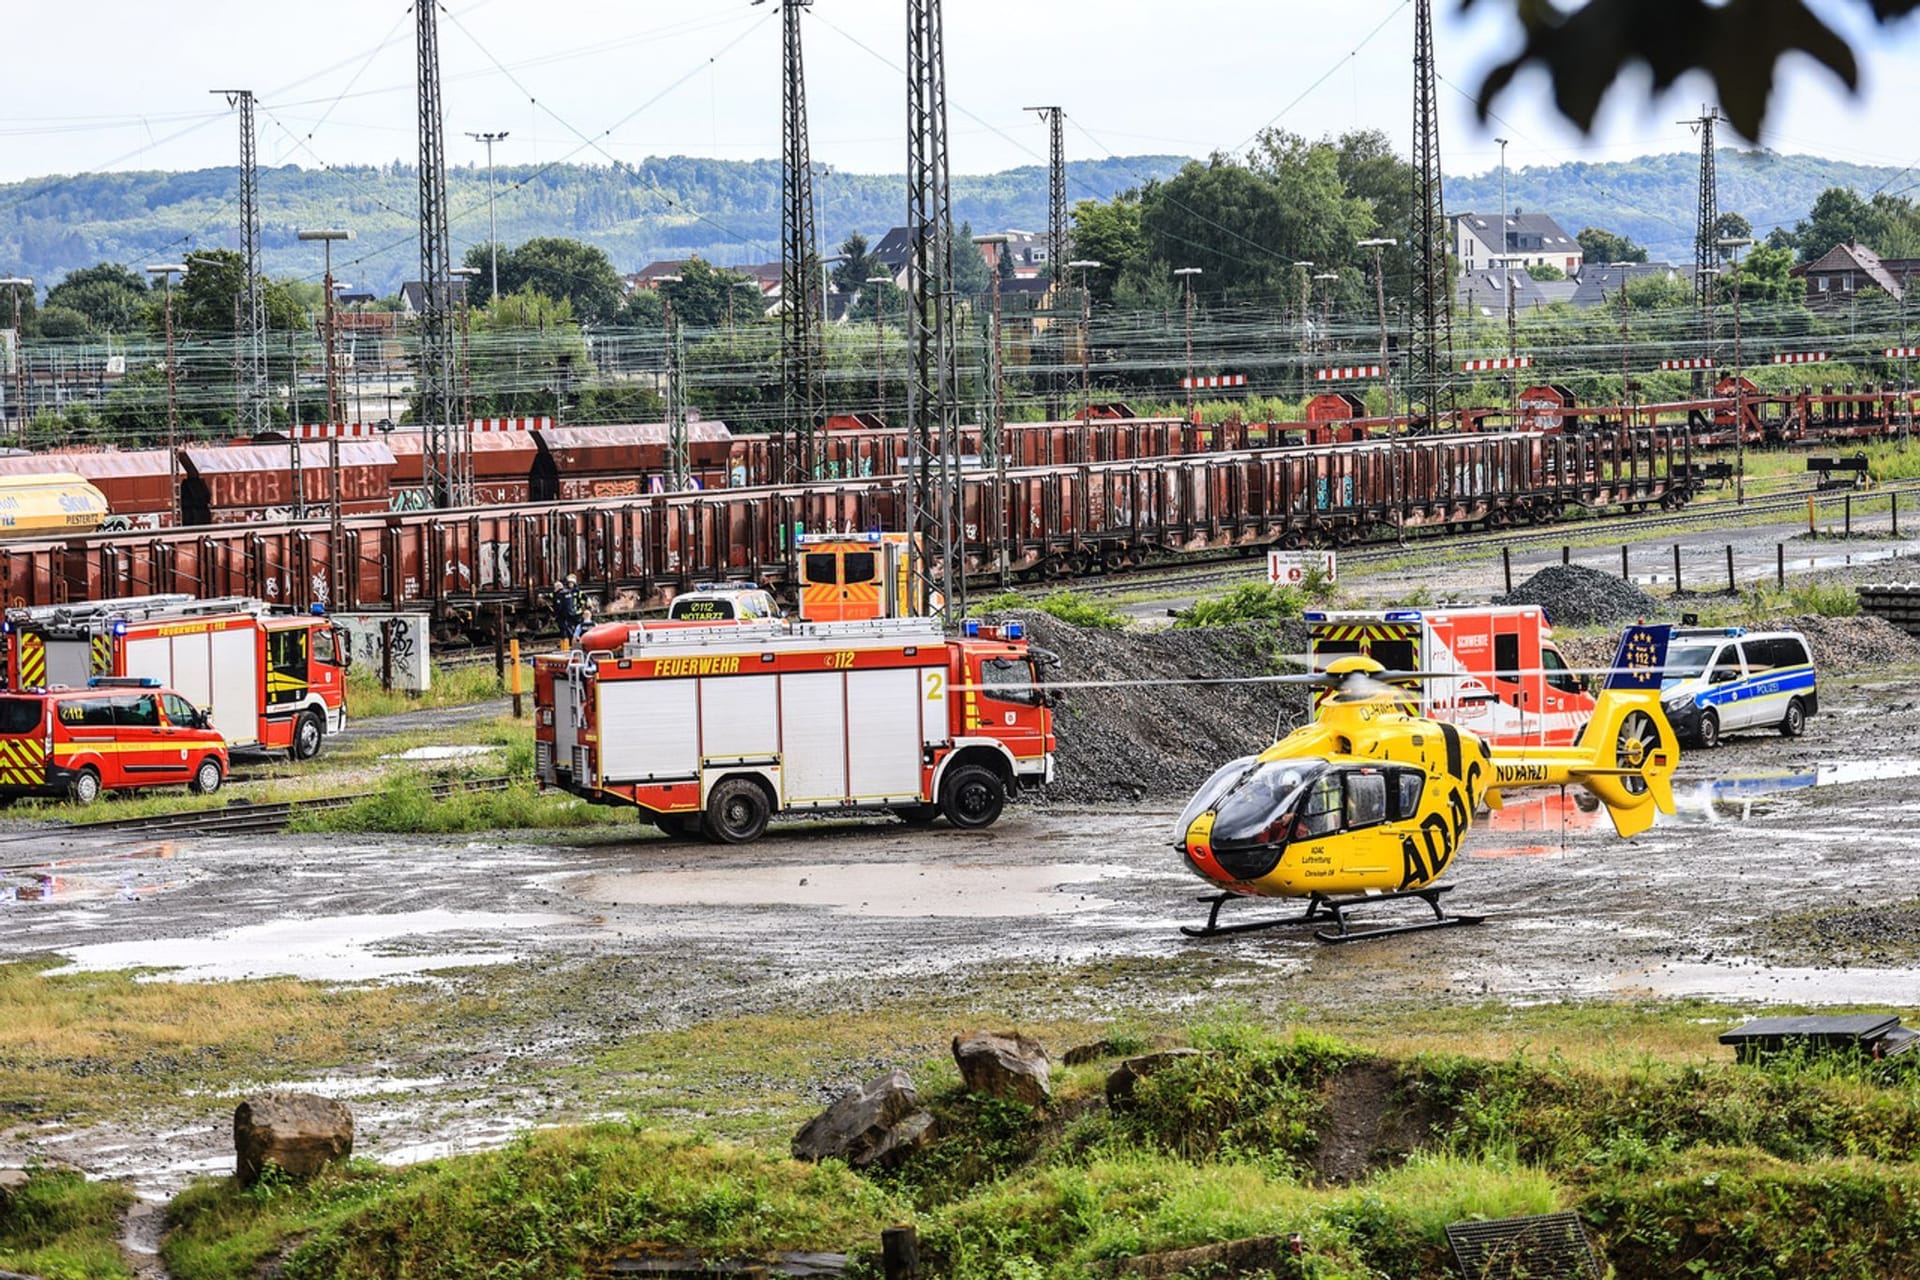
(876, 1124)
(1122, 1079)
(300, 1132)
(1005, 1065)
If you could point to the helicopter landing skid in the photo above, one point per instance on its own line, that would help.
(1321, 907)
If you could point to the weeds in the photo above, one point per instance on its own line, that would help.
(406, 804)
(1069, 606)
(1250, 602)
(62, 1227)
(449, 687)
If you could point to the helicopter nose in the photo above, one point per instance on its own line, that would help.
(1197, 844)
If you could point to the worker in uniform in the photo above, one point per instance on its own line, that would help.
(566, 607)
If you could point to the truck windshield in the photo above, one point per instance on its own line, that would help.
(19, 715)
(1687, 662)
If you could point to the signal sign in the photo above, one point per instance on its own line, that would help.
(1799, 357)
(1504, 362)
(1346, 373)
(1219, 380)
(1291, 568)
(1692, 362)
(1901, 353)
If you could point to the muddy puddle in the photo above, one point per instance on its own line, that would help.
(896, 890)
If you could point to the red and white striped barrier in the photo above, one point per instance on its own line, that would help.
(1504, 362)
(1901, 353)
(511, 424)
(1218, 380)
(1691, 362)
(1345, 373)
(363, 430)
(1799, 357)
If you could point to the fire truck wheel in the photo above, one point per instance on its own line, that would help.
(308, 734)
(207, 778)
(737, 811)
(85, 787)
(917, 815)
(973, 796)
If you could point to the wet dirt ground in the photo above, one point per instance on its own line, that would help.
(861, 912)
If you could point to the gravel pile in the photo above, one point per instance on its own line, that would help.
(1574, 595)
(1160, 741)
(1859, 645)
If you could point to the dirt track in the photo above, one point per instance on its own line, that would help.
(852, 914)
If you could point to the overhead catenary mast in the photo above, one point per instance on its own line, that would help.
(252, 400)
(933, 412)
(802, 291)
(436, 387)
(1430, 319)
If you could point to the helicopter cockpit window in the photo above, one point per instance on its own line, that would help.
(1320, 813)
(1366, 799)
(1407, 786)
(1261, 806)
(1210, 791)
(1008, 680)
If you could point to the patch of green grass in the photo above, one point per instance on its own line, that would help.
(62, 1227)
(449, 687)
(406, 804)
(1250, 602)
(88, 1045)
(553, 1203)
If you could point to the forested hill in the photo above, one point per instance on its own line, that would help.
(1652, 199)
(727, 212)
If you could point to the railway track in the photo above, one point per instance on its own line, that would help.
(241, 817)
(1211, 569)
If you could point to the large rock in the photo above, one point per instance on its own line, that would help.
(300, 1132)
(1122, 1079)
(874, 1125)
(1003, 1064)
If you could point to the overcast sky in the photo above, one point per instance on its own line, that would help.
(120, 84)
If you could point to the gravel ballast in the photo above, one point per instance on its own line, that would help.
(1574, 595)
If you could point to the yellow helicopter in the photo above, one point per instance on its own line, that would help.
(1371, 802)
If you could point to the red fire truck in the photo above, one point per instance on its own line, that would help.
(271, 681)
(716, 729)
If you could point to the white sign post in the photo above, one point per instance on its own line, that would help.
(1290, 568)
(405, 634)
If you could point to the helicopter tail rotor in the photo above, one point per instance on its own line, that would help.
(1631, 753)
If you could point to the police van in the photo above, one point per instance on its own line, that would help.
(118, 732)
(1723, 680)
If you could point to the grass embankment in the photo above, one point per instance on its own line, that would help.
(62, 1227)
(450, 687)
(1680, 1161)
(84, 1046)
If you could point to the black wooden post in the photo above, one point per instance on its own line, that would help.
(900, 1253)
(1676, 568)
(386, 654)
(1506, 563)
(1733, 587)
(1780, 563)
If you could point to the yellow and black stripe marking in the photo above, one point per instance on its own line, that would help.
(1367, 631)
(33, 662)
(23, 762)
(102, 655)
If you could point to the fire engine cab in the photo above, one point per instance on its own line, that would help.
(271, 681)
(1505, 679)
(716, 729)
(847, 577)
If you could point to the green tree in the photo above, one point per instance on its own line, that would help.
(1372, 171)
(856, 266)
(705, 296)
(971, 276)
(1838, 216)
(1601, 247)
(1731, 226)
(620, 402)
(887, 301)
(207, 301)
(556, 267)
(1764, 277)
(111, 297)
(527, 355)
(1546, 271)
(1111, 233)
(135, 411)
(63, 322)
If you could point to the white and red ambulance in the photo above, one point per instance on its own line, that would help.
(716, 729)
(1501, 674)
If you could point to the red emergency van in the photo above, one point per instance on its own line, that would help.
(1505, 679)
(716, 729)
(117, 733)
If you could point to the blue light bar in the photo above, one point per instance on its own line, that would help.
(1314, 615)
(1014, 630)
(1403, 615)
(970, 628)
(119, 627)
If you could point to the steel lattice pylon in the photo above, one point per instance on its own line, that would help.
(1058, 254)
(802, 362)
(254, 402)
(1430, 319)
(933, 411)
(437, 388)
(1705, 251)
